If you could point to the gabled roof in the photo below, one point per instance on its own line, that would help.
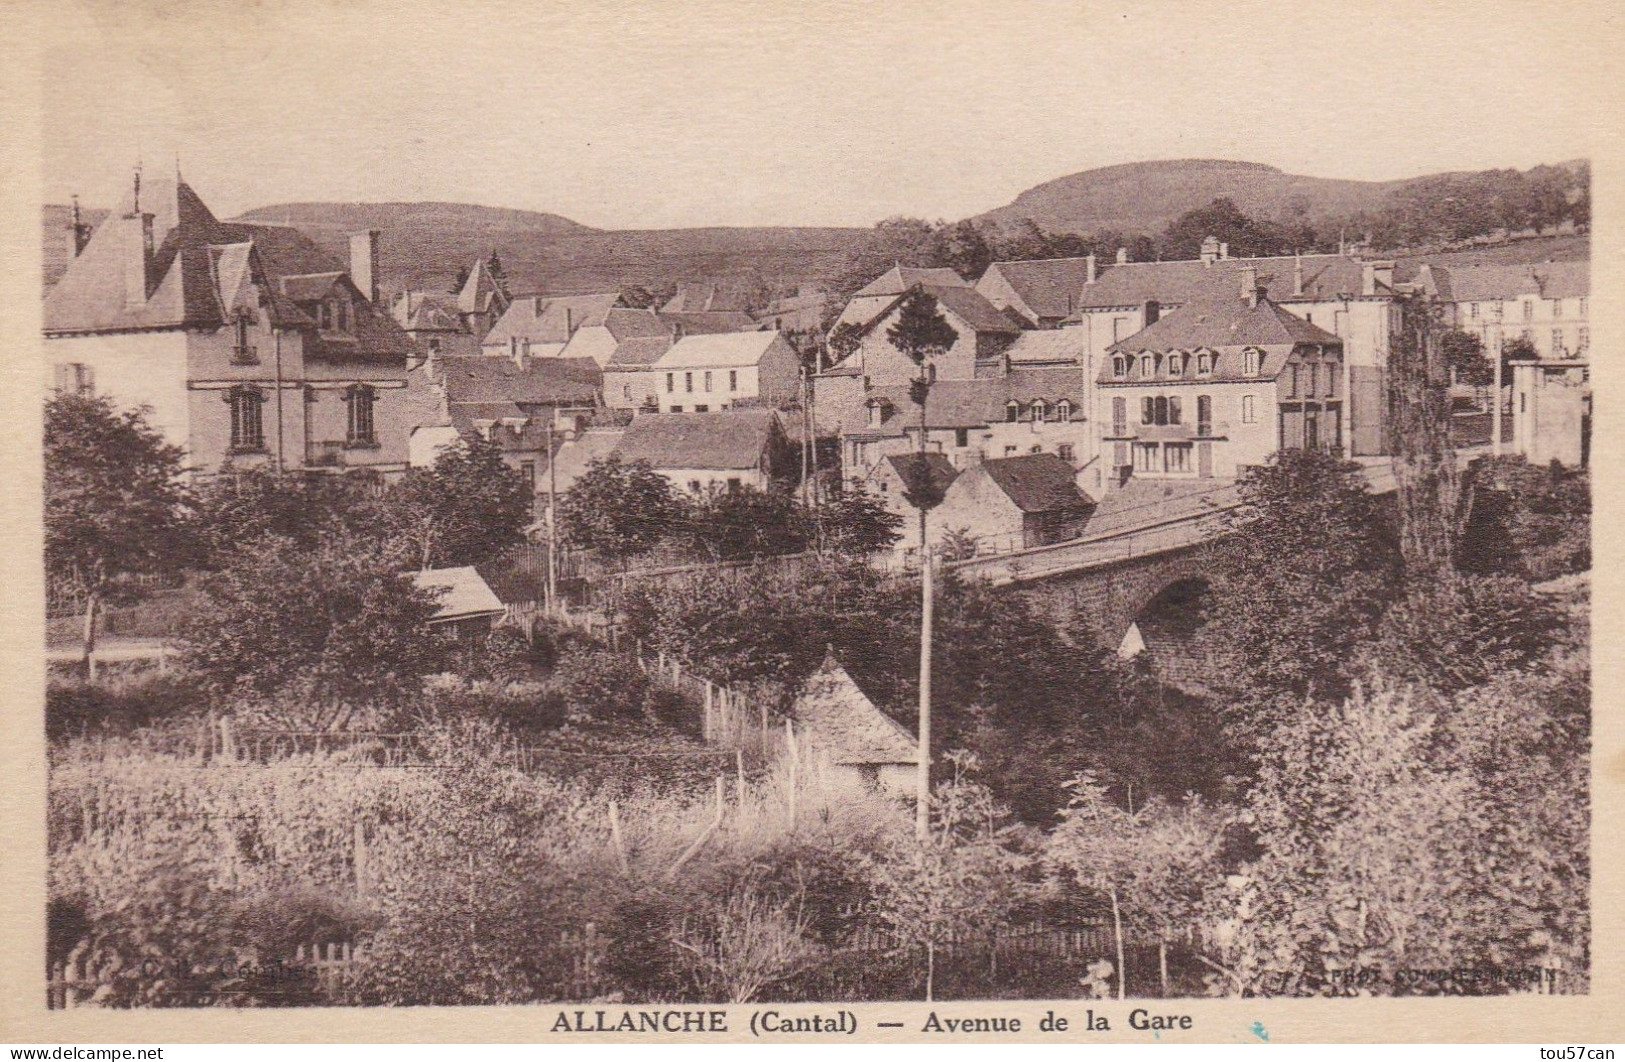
(1325, 277)
(200, 271)
(1222, 321)
(1037, 483)
(709, 321)
(1492, 283)
(1048, 287)
(1048, 346)
(624, 323)
(703, 297)
(426, 311)
(464, 594)
(575, 455)
(639, 352)
(968, 403)
(480, 292)
(541, 381)
(550, 319)
(972, 307)
(899, 278)
(838, 717)
(732, 440)
(930, 470)
(723, 350)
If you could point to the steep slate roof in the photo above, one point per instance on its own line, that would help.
(1049, 287)
(724, 350)
(426, 311)
(465, 595)
(703, 297)
(1226, 321)
(1037, 483)
(931, 469)
(550, 319)
(480, 292)
(839, 718)
(542, 381)
(730, 440)
(201, 269)
(625, 323)
(1490, 283)
(972, 307)
(708, 322)
(639, 352)
(899, 278)
(1048, 345)
(969, 403)
(1325, 276)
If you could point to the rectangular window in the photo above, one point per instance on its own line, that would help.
(1177, 457)
(688, 383)
(1529, 309)
(1119, 416)
(733, 379)
(961, 437)
(247, 427)
(676, 409)
(707, 383)
(75, 378)
(1145, 457)
(1585, 339)
(1557, 342)
(358, 415)
(1247, 414)
(1292, 381)
(1314, 380)
(671, 382)
(1066, 453)
(1204, 415)
(1148, 410)
(1173, 410)
(1582, 306)
(1472, 310)
(702, 408)
(527, 469)
(1332, 371)
(1009, 451)
(1557, 307)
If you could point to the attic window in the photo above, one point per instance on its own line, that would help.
(1040, 411)
(1145, 366)
(1176, 365)
(1119, 367)
(1204, 364)
(1249, 363)
(1012, 411)
(1063, 410)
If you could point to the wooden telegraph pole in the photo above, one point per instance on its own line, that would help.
(922, 801)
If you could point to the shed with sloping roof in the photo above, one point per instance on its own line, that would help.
(856, 745)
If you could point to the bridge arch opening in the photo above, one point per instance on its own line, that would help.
(1168, 632)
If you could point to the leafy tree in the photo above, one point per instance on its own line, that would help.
(747, 940)
(466, 509)
(459, 280)
(921, 331)
(742, 522)
(857, 523)
(1530, 521)
(1464, 354)
(620, 510)
(1299, 585)
(966, 250)
(499, 276)
(236, 508)
(325, 633)
(956, 881)
(1426, 474)
(843, 340)
(1247, 237)
(115, 504)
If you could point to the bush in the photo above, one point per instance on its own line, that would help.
(522, 708)
(599, 685)
(118, 706)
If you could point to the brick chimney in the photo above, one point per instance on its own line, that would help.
(1249, 284)
(1210, 250)
(78, 232)
(1089, 267)
(1122, 255)
(364, 263)
(1374, 273)
(1297, 275)
(1224, 251)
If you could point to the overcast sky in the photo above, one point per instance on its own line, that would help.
(829, 113)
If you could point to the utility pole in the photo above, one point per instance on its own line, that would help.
(922, 801)
(1495, 409)
(552, 526)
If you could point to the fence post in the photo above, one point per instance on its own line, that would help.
(620, 843)
(705, 724)
(228, 742)
(795, 769)
(359, 863)
(739, 763)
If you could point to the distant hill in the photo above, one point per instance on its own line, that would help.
(422, 245)
(1143, 197)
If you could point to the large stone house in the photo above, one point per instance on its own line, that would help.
(1217, 385)
(707, 373)
(700, 452)
(1009, 503)
(452, 324)
(540, 325)
(250, 344)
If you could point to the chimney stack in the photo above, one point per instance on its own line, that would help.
(1224, 251)
(569, 322)
(1122, 255)
(1210, 250)
(79, 232)
(1249, 284)
(137, 258)
(1297, 274)
(1089, 266)
(364, 263)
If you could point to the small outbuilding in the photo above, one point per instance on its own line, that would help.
(468, 605)
(858, 746)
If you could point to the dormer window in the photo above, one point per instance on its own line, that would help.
(1040, 411)
(1249, 362)
(1063, 410)
(1012, 411)
(1119, 367)
(1146, 366)
(1204, 364)
(241, 352)
(1176, 365)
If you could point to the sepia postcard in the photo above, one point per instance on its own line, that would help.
(1046, 521)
